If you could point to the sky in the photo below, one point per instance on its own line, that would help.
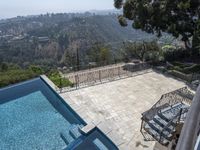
(13, 8)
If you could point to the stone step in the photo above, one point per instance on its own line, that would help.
(163, 117)
(174, 110)
(169, 108)
(87, 128)
(155, 135)
(163, 123)
(168, 113)
(159, 129)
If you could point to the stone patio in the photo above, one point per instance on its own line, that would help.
(116, 107)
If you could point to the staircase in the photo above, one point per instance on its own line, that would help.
(71, 135)
(162, 126)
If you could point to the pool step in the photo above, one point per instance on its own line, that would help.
(71, 135)
(66, 138)
(99, 144)
(75, 131)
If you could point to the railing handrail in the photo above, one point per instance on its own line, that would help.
(191, 127)
(105, 68)
(167, 94)
(106, 74)
(175, 92)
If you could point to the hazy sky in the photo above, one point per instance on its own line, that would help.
(12, 8)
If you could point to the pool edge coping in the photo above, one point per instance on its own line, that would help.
(53, 88)
(46, 80)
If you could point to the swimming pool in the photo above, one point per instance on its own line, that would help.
(34, 116)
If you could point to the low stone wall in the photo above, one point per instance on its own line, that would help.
(180, 75)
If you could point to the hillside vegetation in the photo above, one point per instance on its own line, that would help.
(53, 40)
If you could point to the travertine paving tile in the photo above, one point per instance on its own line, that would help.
(116, 107)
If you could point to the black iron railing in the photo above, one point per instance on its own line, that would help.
(152, 120)
(106, 74)
(195, 76)
(181, 95)
(176, 119)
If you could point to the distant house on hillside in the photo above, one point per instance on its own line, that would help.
(18, 38)
(44, 39)
(6, 37)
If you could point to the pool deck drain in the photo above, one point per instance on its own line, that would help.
(116, 107)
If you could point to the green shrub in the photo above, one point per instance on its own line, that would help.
(192, 69)
(36, 69)
(176, 55)
(12, 76)
(59, 81)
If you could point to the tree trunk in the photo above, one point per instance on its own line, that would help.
(196, 44)
(188, 45)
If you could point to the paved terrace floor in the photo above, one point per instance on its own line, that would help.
(116, 107)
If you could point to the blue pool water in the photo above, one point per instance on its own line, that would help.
(34, 121)
(31, 120)
(35, 117)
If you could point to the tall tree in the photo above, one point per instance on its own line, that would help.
(140, 50)
(100, 54)
(3, 67)
(105, 55)
(178, 17)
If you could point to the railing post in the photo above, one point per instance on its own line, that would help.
(76, 80)
(179, 119)
(141, 126)
(100, 75)
(60, 85)
(93, 77)
(119, 72)
(127, 71)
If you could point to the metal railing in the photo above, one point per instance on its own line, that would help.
(181, 95)
(105, 74)
(191, 127)
(195, 76)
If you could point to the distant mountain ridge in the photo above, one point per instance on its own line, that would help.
(94, 11)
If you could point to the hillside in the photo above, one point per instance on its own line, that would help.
(46, 39)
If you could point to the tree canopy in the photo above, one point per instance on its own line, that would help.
(178, 17)
(141, 50)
